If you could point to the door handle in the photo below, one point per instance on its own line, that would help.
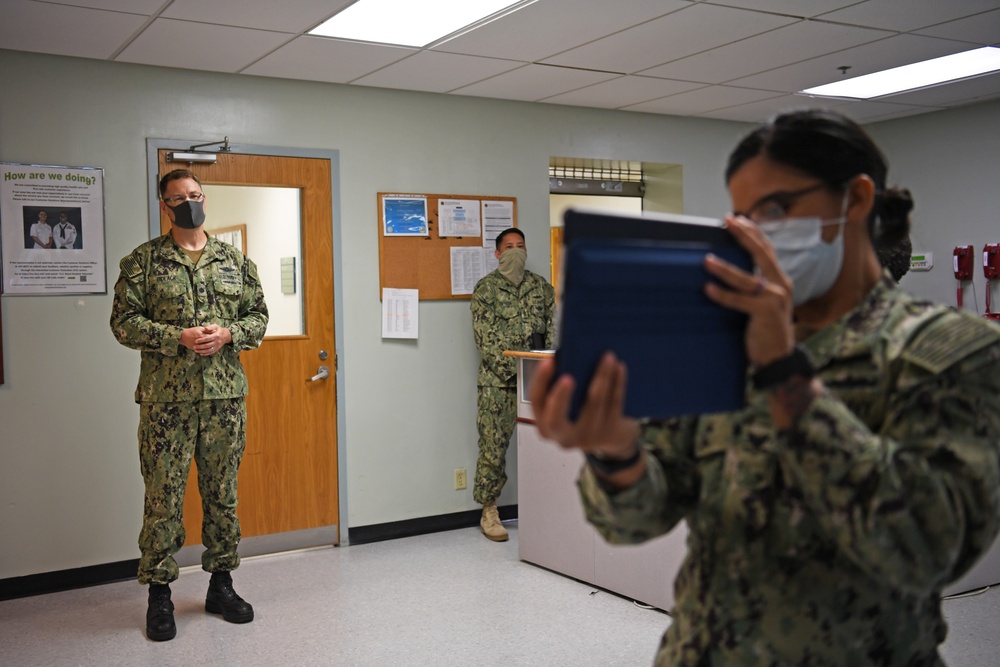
(324, 373)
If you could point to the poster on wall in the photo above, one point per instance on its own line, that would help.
(52, 230)
(405, 215)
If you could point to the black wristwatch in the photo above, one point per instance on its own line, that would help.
(608, 467)
(796, 364)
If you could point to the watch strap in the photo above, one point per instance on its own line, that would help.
(609, 467)
(796, 364)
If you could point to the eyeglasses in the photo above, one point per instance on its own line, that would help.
(177, 200)
(775, 206)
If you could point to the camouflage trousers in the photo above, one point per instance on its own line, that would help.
(213, 433)
(495, 418)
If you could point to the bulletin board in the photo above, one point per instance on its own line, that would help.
(424, 262)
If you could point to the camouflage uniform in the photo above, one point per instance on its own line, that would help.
(830, 544)
(504, 316)
(190, 406)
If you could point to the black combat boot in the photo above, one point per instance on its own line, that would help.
(160, 614)
(222, 599)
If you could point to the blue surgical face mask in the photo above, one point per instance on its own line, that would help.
(812, 264)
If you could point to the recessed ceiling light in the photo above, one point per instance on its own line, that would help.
(910, 77)
(411, 23)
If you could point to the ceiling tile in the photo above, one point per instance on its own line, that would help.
(200, 46)
(691, 30)
(732, 59)
(760, 111)
(548, 27)
(436, 72)
(623, 91)
(66, 31)
(804, 8)
(864, 59)
(534, 82)
(982, 29)
(325, 59)
(291, 17)
(764, 111)
(805, 39)
(967, 91)
(146, 7)
(868, 111)
(703, 100)
(892, 15)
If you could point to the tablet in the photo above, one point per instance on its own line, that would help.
(634, 284)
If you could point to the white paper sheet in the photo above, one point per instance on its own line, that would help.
(400, 308)
(459, 217)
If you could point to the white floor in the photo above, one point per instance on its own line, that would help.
(450, 598)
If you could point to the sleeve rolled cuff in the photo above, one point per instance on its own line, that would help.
(606, 506)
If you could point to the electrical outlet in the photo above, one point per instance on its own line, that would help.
(460, 480)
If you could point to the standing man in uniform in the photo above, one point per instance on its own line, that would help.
(190, 303)
(512, 309)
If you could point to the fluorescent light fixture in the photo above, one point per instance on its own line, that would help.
(408, 22)
(917, 75)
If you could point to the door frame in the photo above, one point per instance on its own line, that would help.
(302, 538)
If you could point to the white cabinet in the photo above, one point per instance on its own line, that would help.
(553, 533)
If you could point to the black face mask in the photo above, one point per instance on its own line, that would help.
(189, 215)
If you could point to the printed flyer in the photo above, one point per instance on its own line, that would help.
(52, 230)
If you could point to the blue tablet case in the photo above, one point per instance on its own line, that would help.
(635, 285)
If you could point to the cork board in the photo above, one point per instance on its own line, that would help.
(423, 262)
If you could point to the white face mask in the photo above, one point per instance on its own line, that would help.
(812, 264)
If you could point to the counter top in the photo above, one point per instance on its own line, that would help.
(529, 354)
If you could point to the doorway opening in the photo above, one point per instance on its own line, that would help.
(617, 185)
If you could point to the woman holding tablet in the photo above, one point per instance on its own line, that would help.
(863, 475)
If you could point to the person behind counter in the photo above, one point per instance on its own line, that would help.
(862, 477)
(512, 309)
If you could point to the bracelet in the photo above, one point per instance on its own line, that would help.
(778, 372)
(608, 467)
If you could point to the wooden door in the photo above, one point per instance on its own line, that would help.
(288, 478)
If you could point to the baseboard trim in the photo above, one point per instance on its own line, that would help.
(423, 525)
(107, 573)
(65, 580)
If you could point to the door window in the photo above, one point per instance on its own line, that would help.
(265, 222)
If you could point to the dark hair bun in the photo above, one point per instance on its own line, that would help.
(894, 215)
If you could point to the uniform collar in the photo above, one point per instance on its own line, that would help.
(172, 251)
(855, 333)
(508, 285)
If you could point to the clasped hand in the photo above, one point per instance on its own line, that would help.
(206, 340)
